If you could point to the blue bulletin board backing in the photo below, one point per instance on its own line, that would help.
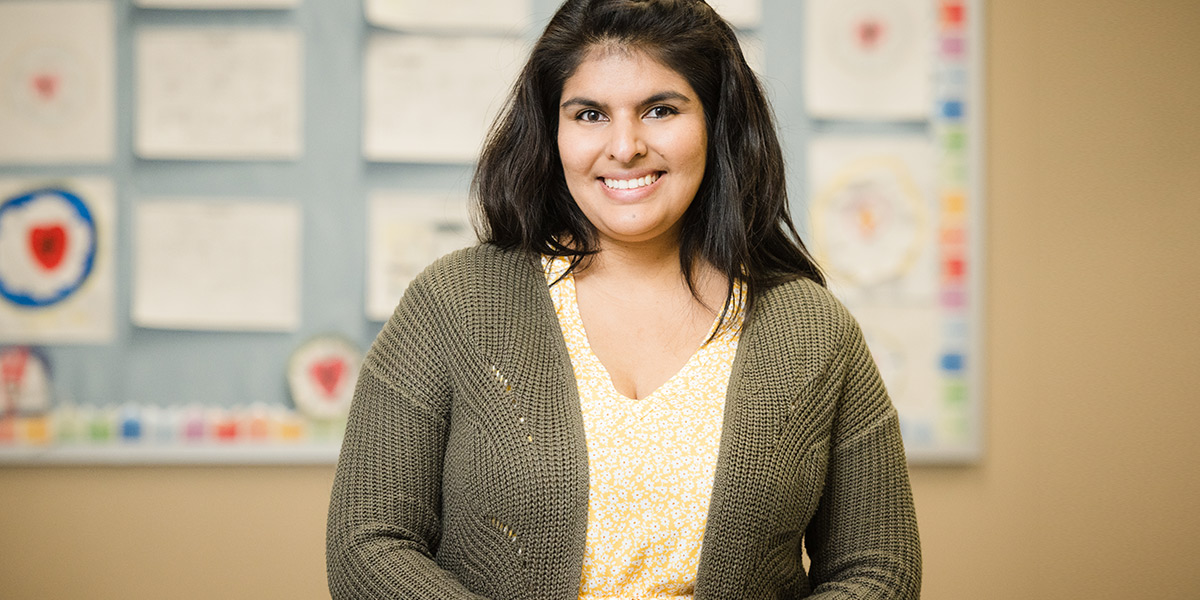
(237, 377)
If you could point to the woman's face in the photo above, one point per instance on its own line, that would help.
(633, 142)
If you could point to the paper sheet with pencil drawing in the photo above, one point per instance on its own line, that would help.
(407, 232)
(868, 59)
(743, 14)
(209, 264)
(872, 214)
(219, 93)
(497, 16)
(217, 4)
(431, 99)
(57, 82)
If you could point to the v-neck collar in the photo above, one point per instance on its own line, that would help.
(733, 446)
(585, 352)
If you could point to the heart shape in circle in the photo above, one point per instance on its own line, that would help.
(328, 374)
(49, 245)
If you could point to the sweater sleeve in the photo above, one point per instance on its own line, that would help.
(863, 538)
(384, 513)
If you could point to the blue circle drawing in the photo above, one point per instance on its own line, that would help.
(85, 215)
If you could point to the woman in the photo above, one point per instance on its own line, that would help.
(638, 385)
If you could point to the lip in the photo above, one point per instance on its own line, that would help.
(631, 195)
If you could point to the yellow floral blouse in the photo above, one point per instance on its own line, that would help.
(651, 461)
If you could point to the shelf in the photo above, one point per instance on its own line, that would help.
(246, 454)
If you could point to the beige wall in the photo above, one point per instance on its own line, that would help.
(1089, 488)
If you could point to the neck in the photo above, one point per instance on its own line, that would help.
(655, 260)
(637, 261)
(644, 270)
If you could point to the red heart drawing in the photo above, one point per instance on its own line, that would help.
(48, 244)
(870, 33)
(46, 85)
(328, 374)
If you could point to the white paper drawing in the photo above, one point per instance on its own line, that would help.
(219, 93)
(873, 211)
(406, 233)
(869, 59)
(743, 14)
(904, 342)
(56, 261)
(499, 16)
(217, 265)
(432, 99)
(755, 52)
(217, 4)
(57, 91)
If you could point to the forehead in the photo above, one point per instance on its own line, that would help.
(613, 72)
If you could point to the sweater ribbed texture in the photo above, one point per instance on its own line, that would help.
(464, 471)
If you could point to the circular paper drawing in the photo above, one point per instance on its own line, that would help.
(24, 382)
(321, 376)
(869, 223)
(47, 247)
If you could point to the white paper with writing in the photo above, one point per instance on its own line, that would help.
(217, 265)
(219, 93)
(432, 99)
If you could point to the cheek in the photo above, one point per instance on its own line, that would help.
(700, 150)
(573, 154)
(689, 150)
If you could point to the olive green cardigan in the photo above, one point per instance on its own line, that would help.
(464, 471)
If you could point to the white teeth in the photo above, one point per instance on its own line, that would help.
(629, 184)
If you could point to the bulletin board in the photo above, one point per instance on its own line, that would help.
(208, 208)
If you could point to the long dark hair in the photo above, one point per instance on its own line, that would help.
(739, 221)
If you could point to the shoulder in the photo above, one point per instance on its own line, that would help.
(803, 305)
(475, 286)
(801, 324)
(476, 274)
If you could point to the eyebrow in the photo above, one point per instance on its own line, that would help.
(656, 98)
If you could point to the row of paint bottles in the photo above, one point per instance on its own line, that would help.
(146, 424)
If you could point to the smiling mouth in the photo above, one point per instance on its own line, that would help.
(631, 184)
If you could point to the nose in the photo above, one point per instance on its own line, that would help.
(625, 143)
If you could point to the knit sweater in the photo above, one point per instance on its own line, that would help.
(464, 470)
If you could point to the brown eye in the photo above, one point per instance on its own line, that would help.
(590, 116)
(660, 112)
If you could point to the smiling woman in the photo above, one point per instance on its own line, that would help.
(636, 385)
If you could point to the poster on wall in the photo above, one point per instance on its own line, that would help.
(868, 59)
(57, 71)
(872, 216)
(321, 374)
(219, 265)
(431, 99)
(407, 232)
(895, 217)
(743, 14)
(496, 16)
(56, 261)
(219, 94)
(877, 230)
(25, 385)
(217, 4)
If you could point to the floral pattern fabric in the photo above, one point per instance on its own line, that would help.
(651, 461)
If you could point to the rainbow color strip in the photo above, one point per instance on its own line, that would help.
(955, 263)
